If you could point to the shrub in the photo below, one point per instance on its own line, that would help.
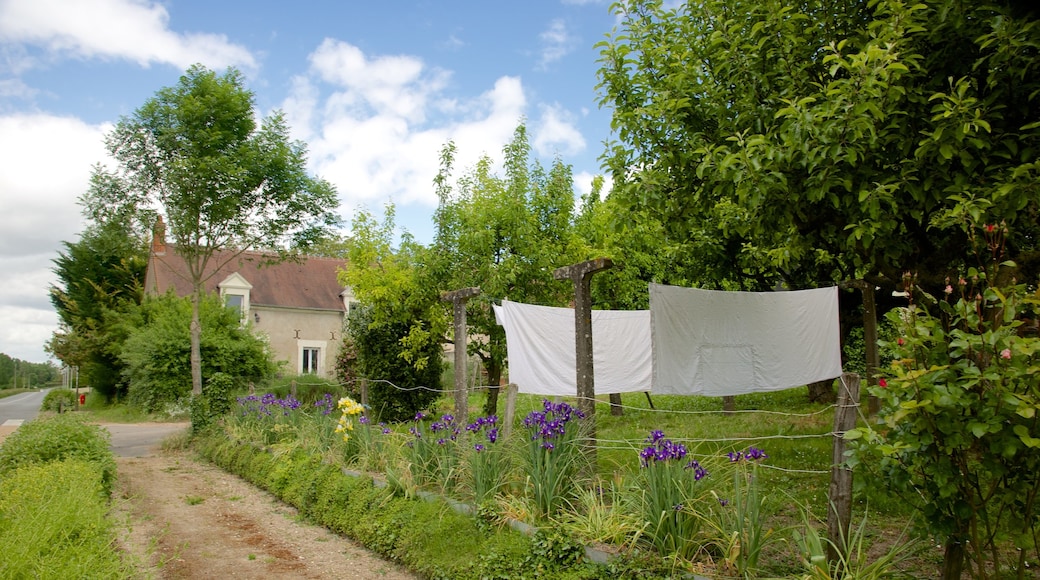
(381, 354)
(158, 358)
(53, 523)
(58, 438)
(58, 399)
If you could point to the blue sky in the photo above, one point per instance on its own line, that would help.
(374, 89)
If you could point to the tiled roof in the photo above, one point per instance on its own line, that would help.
(309, 283)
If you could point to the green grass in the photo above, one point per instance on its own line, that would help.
(794, 480)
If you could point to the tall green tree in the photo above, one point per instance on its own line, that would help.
(814, 142)
(505, 234)
(98, 276)
(196, 153)
(397, 333)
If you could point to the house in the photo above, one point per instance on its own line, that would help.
(299, 306)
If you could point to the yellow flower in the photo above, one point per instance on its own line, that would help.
(349, 406)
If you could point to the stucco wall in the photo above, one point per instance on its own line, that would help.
(288, 330)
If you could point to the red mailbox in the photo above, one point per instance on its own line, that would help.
(83, 399)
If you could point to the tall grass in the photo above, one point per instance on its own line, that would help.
(763, 500)
(53, 524)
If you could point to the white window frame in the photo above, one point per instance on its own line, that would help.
(236, 285)
(321, 346)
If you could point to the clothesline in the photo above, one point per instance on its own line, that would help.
(690, 342)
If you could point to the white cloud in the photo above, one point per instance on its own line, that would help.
(47, 164)
(375, 125)
(556, 134)
(557, 42)
(25, 331)
(134, 30)
(47, 161)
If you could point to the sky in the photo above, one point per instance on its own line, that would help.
(375, 90)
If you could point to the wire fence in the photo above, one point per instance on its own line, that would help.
(635, 444)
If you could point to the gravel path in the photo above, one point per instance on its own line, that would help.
(189, 519)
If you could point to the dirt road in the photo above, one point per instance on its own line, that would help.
(187, 519)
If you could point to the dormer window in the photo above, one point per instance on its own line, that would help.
(236, 302)
(234, 291)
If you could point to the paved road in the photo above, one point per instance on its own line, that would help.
(141, 439)
(21, 407)
(128, 440)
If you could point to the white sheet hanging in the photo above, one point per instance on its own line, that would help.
(540, 344)
(714, 343)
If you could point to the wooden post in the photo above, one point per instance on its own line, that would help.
(839, 513)
(364, 393)
(507, 424)
(458, 300)
(870, 337)
(615, 405)
(729, 404)
(580, 274)
(292, 388)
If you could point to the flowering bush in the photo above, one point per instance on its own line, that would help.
(272, 419)
(738, 521)
(348, 409)
(668, 479)
(958, 425)
(553, 457)
(433, 457)
(486, 460)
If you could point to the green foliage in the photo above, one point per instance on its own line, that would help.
(957, 430)
(425, 536)
(53, 522)
(57, 438)
(15, 373)
(223, 183)
(382, 355)
(504, 234)
(157, 354)
(802, 142)
(59, 400)
(553, 456)
(100, 277)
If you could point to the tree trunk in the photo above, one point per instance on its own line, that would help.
(953, 560)
(494, 372)
(822, 392)
(196, 344)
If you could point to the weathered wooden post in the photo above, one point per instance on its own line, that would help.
(870, 337)
(507, 424)
(458, 300)
(580, 274)
(839, 514)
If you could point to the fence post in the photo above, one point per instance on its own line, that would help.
(839, 512)
(458, 300)
(729, 404)
(507, 425)
(364, 393)
(580, 275)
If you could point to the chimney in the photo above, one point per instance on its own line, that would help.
(159, 238)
